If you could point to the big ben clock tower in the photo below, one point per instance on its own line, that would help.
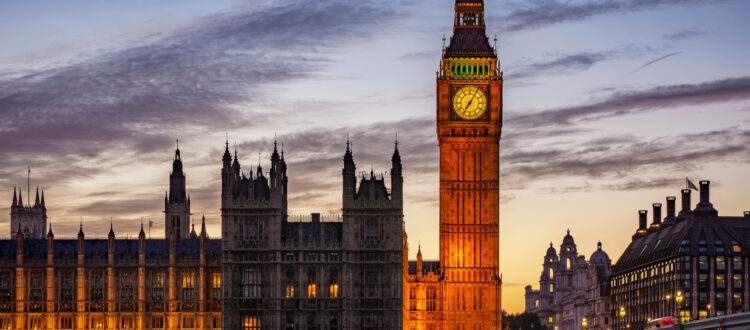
(469, 120)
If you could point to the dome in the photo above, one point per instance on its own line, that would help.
(551, 252)
(568, 240)
(599, 257)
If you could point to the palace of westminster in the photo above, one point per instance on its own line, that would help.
(272, 271)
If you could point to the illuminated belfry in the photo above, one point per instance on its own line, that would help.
(469, 121)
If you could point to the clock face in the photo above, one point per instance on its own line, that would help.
(469, 102)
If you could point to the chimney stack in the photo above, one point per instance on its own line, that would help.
(671, 207)
(747, 214)
(657, 215)
(705, 208)
(685, 202)
(642, 214)
(705, 191)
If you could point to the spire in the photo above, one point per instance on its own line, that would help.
(177, 150)
(15, 199)
(111, 229)
(227, 159)
(80, 229)
(203, 227)
(599, 245)
(49, 233)
(20, 197)
(142, 233)
(42, 197)
(469, 38)
(192, 232)
(36, 200)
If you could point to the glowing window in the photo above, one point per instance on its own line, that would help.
(312, 291)
(250, 323)
(333, 291)
(188, 285)
(290, 291)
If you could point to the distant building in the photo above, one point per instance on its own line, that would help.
(692, 265)
(335, 272)
(31, 220)
(107, 283)
(573, 293)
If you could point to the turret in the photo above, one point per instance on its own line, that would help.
(349, 175)
(142, 241)
(397, 179)
(81, 238)
(177, 203)
(36, 200)
(419, 261)
(203, 234)
(15, 200)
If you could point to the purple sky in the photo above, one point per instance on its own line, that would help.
(608, 106)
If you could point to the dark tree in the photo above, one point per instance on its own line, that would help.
(523, 321)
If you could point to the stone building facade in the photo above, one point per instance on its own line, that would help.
(335, 272)
(573, 293)
(690, 265)
(110, 283)
(31, 220)
(463, 289)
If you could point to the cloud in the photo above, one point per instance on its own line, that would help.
(658, 59)
(575, 62)
(684, 34)
(133, 100)
(622, 103)
(612, 160)
(548, 12)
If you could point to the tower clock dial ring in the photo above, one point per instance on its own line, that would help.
(469, 102)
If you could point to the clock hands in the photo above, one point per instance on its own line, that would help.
(472, 98)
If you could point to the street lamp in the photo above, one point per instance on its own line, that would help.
(678, 300)
(622, 315)
(584, 322)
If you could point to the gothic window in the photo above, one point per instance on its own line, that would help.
(66, 287)
(312, 291)
(35, 322)
(371, 230)
(289, 291)
(126, 322)
(35, 287)
(413, 299)
(6, 322)
(333, 290)
(157, 286)
(372, 283)
(97, 322)
(126, 286)
(737, 281)
(568, 263)
(719, 247)
(5, 287)
(736, 248)
(66, 322)
(551, 273)
(250, 322)
(251, 231)
(188, 285)
(97, 286)
(431, 299)
(188, 322)
(216, 322)
(157, 322)
(216, 285)
(250, 283)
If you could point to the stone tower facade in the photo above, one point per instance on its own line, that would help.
(31, 220)
(177, 202)
(462, 289)
(469, 120)
(332, 272)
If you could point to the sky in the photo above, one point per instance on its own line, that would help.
(608, 106)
